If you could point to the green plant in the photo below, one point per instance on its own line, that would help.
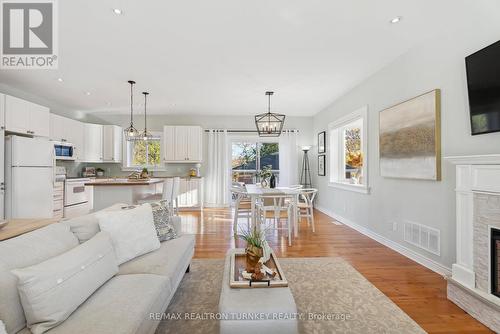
(145, 170)
(265, 172)
(253, 237)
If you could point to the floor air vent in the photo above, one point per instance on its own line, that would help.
(422, 236)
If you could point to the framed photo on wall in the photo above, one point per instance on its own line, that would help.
(321, 165)
(322, 142)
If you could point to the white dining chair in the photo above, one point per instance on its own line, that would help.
(277, 204)
(242, 207)
(176, 183)
(305, 207)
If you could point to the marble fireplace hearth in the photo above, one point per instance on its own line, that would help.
(471, 285)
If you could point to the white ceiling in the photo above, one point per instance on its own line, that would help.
(218, 57)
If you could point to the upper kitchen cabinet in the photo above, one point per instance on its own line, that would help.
(93, 150)
(65, 129)
(183, 144)
(25, 117)
(112, 143)
(75, 135)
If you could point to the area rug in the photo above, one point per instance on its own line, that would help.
(324, 288)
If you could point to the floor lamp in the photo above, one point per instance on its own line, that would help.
(305, 175)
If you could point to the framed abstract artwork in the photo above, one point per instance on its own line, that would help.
(410, 138)
(321, 165)
(322, 142)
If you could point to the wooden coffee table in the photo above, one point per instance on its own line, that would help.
(255, 310)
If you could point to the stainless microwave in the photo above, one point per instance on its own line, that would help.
(64, 151)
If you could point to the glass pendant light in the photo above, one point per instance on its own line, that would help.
(145, 135)
(269, 124)
(131, 132)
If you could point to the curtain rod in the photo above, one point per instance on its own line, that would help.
(242, 131)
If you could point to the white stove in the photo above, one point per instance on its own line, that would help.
(76, 197)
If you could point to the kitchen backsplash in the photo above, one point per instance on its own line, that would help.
(74, 169)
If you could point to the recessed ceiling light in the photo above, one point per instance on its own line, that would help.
(117, 11)
(397, 19)
(60, 79)
(87, 93)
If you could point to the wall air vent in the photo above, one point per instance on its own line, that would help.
(423, 236)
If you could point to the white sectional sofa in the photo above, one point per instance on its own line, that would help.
(123, 304)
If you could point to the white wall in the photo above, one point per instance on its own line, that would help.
(438, 63)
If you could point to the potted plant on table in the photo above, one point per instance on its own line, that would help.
(256, 246)
(265, 173)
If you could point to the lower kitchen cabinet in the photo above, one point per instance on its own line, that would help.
(191, 193)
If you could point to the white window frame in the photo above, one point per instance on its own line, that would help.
(127, 168)
(336, 151)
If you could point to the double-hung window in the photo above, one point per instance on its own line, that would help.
(348, 151)
(144, 154)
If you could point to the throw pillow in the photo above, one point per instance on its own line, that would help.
(85, 227)
(53, 289)
(162, 215)
(132, 231)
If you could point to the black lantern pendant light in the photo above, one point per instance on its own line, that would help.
(145, 135)
(269, 124)
(131, 132)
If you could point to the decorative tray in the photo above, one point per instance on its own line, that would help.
(238, 264)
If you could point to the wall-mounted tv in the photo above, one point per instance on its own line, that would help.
(483, 80)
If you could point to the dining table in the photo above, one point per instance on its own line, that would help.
(255, 191)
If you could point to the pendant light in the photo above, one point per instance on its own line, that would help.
(269, 124)
(131, 132)
(145, 135)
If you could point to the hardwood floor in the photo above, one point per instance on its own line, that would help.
(418, 291)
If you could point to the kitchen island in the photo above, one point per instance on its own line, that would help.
(121, 190)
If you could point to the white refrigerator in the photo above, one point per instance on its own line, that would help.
(29, 177)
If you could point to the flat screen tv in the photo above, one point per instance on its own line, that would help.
(483, 80)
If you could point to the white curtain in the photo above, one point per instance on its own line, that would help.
(289, 174)
(217, 192)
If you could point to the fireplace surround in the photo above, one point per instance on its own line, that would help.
(471, 285)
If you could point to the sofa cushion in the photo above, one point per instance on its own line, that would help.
(132, 231)
(170, 260)
(51, 290)
(23, 251)
(122, 305)
(85, 227)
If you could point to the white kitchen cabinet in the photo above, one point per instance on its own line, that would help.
(182, 144)
(39, 120)
(65, 129)
(93, 148)
(75, 135)
(191, 193)
(25, 117)
(112, 143)
(57, 127)
(168, 143)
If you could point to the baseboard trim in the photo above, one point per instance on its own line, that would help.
(419, 258)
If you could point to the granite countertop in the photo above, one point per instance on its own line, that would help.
(122, 182)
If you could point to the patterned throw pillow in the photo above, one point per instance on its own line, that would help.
(161, 216)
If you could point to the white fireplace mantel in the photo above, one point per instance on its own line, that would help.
(477, 177)
(487, 159)
(474, 174)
